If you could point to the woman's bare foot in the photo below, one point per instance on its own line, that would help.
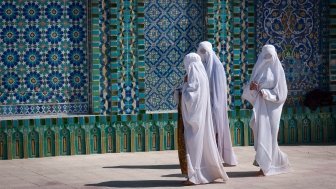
(187, 183)
(260, 173)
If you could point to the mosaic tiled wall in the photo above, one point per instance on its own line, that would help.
(118, 57)
(95, 26)
(299, 31)
(229, 26)
(172, 30)
(233, 27)
(231, 30)
(43, 57)
(31, 138)
(332, 45)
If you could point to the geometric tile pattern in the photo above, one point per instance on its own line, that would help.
(324, 43)
(111, 58)
(91, 134)
(138, 47)
(130, 57)
(96, 56)
(127, 57)
(104, 65)
(232, 36)
(140, 52)
(332, 44)
(172, 30)
(119, 131)
(43, 53)
(297, 29)
(236, 50)
(118, 57)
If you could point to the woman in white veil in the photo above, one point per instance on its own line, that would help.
(203, 160)
(267, 92)
(218, 96)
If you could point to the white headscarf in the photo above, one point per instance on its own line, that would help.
(269, 74)
(267, 104)
(207, 56)
(218, 96)
(195, 71)
(203, 159)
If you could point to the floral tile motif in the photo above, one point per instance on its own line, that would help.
(297, 29)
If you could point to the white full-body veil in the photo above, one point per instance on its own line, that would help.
(218, 96)
(267, 103)
(203, 159)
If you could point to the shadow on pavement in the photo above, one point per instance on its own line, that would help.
(242, 174)
(139, 183)
(145, 167)
(174, 175)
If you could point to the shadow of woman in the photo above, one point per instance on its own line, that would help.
(139, 184)
(145, 167)
(242, 174)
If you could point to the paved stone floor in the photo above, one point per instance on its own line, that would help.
(312, 167)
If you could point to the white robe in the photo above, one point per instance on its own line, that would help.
(267, 103)
(203, 159)
(218, 96)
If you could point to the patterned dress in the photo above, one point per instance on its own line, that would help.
(181, 141)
